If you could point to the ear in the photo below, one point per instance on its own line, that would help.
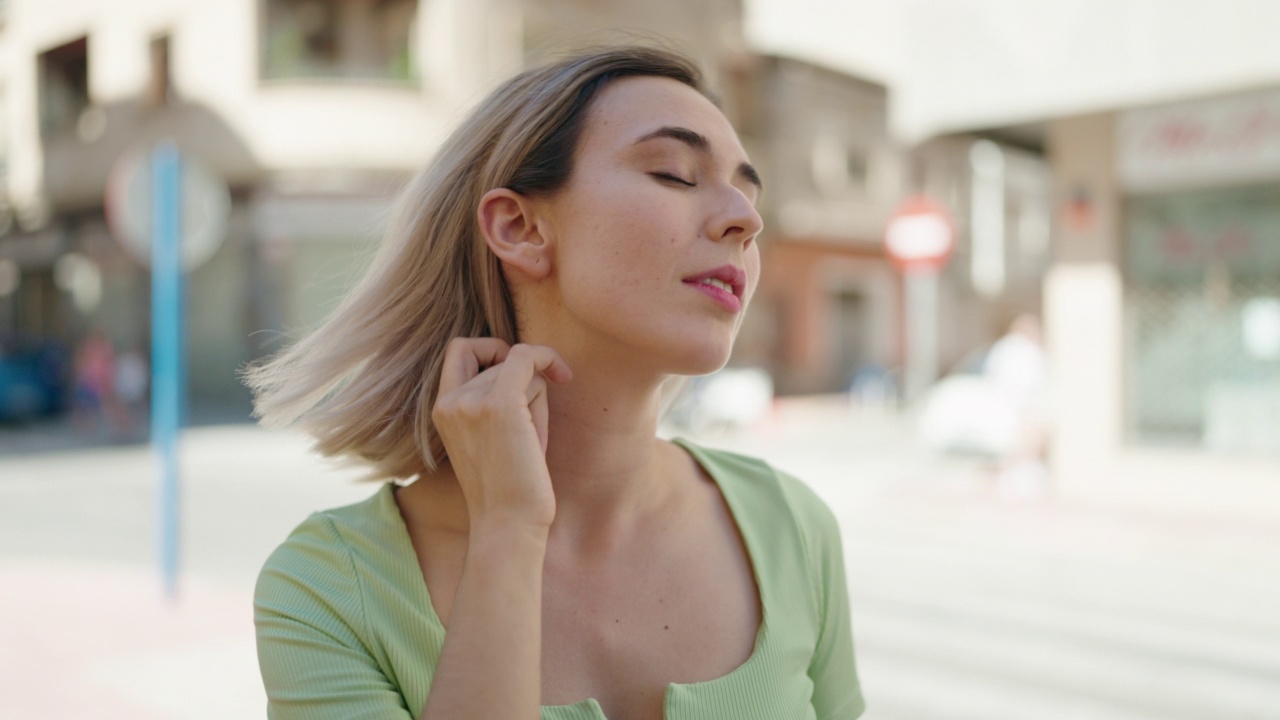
(509, 223)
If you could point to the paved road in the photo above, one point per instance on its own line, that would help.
(1093, 606)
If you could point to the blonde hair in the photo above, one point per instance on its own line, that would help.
(364, 382)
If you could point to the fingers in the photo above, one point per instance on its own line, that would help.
(549, 363)
(489, 389)
(538, 411)
(524, 362)
(464, 358)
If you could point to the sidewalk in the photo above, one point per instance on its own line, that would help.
(933, 551)
(1186, 482)
(97, 641)
(85, 630)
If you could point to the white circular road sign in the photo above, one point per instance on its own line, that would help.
(920, 234)
(206, 203)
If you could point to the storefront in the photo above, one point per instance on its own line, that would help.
(1201, 266)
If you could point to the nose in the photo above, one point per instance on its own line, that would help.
(738, 220)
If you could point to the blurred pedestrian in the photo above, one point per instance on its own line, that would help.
(131, 379)
(872, 387)
(1016, 368)
(93, 388)
(595, 214)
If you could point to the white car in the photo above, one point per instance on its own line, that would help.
(730, 398)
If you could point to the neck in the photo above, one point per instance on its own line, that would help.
(606, 465)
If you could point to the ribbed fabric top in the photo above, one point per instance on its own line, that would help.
(346, 629)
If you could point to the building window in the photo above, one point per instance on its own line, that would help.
(338, 39)
(160, 85)
(836, 168)
(64, 85)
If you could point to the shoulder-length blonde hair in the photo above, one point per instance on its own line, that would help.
(364, 382)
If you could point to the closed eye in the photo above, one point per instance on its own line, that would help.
(674, 178)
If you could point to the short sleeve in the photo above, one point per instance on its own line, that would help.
(837, 694)
(309, 618)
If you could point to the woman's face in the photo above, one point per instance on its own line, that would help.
(655, 233)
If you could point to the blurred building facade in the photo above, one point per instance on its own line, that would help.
(996, 187)
(311, 112)
(1162, 300)
(314, 112)
(830, 307)
(828, 301)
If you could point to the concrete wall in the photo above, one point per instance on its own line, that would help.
(981, 63)
(962, 64)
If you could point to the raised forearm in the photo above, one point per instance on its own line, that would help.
(490, 666)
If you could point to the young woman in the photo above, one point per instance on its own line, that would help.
(586, 235)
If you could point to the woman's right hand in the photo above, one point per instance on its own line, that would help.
(491, 413)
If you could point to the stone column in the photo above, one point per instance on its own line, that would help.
(1084, 300)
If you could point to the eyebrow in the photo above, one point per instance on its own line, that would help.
(700, 143)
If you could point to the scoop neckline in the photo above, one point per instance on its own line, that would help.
(698, 455)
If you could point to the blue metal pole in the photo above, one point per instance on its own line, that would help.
(167, 376)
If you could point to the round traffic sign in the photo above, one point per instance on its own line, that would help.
(206, 203)
(920, 234)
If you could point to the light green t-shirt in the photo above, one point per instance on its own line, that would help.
(346, 629)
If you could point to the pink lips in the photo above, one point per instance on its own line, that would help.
(731, 275)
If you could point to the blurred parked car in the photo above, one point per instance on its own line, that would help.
(31, 382)
(874, 387)
(995, 404)
(967, 415)
(730, 398)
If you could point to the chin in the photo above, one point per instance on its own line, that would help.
(700, 356)
(684, 348)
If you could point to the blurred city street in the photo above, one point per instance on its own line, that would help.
(1052, 230)
(1146, 596)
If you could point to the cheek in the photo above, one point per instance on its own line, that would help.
(751, 263)
(606, 274)
(619, 242)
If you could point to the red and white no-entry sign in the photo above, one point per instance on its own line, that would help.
(920, 234)
(919, 239)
